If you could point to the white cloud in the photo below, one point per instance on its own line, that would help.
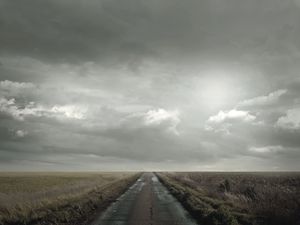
(232, 115)
(10, 107)
(70, 111)
(157, 118)
(161, 116)
(291, 120)
(7, 84)
(266, 149)
(10, 88)
(264, 100)
(21, 133)
(224, 120)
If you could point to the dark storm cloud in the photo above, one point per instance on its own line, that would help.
(141, 84)
(89, 30)
(67, 30)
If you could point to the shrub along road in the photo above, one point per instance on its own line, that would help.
(147, 202)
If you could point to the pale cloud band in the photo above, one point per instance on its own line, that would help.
(291, 120)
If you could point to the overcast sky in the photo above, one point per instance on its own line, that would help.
(150, 85)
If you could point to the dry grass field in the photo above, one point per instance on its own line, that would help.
(238, 198)
(58, 198)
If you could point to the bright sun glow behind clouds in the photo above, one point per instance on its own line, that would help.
(217, 89)
(215, 92)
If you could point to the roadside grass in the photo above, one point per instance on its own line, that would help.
(58, 198)
(237, 198)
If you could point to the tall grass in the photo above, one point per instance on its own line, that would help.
(54, 198)
(247, 198)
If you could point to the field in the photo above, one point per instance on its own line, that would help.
(58, 198)
(237, 198)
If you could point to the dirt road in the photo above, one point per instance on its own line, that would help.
(147, 202)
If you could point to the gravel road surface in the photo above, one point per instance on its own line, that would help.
(147, 202)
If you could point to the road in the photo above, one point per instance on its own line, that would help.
(147, 202)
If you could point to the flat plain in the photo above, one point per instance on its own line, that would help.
(269, 198)
(207, 198)
(58, 198)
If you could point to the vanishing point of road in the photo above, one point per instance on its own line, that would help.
(146, 202)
